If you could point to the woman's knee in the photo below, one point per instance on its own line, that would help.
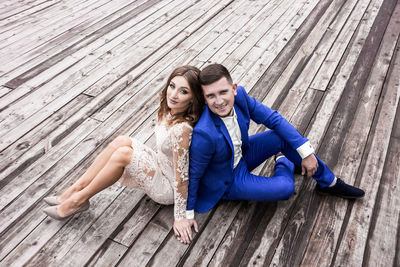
(121, 141)
(122, 156)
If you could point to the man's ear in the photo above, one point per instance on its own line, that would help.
(235, 88)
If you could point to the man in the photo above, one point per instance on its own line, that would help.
(222, 155)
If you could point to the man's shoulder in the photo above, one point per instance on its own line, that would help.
(205, 123)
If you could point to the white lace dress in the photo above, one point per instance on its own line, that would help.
(162, 174)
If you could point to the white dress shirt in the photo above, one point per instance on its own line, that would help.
(232, 126)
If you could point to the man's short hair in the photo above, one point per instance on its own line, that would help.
(213, 73)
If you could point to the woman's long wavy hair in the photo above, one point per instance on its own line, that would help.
(193, 112)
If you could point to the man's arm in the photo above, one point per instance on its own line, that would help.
(262, 114)
(201, 151)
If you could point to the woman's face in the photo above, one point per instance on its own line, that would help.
(179, 95)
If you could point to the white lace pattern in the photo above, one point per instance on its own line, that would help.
(163, 174)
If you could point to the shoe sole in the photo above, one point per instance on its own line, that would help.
(335, 195)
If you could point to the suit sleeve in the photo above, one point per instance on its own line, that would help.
(201, 151)
(262, 114)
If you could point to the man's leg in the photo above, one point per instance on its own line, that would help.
(247, 186)
(266, 144)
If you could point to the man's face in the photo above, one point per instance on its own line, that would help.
(220, 96)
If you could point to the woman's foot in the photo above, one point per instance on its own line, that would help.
(71, 204)
(67, 193)
(57, 200)
(52, 201)
(55, 213)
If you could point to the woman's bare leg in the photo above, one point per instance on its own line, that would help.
(107, 176)
(97, 165)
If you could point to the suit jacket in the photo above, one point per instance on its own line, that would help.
(211, 150)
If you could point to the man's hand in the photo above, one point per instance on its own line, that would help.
(309, 165)
(183, 229)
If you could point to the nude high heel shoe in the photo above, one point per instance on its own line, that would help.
(52, 211)
(52, 201)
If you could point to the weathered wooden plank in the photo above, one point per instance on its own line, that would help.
(45, 30)
(13, 41)
(125, 64)
(29, 222)
(281, 87)
(195, 42)
(39, 141)
(240, 51)
(7, 4)
(278, 65)
(24, 16)
(307, 109)
(333, 211)
(90, 42)
(338, 82)
(261, 253)
(234, 244)
(13, 10)
(135, 225)
(356, 82)
(185, 57)
(22, 181)
(100, 230)
(229, 39)
(122, 83)
(207, 243)
(108, 255)
(352, 245)
(382, 236)
(267, 48)
(15, 24)
(40, 229)
(52, 239)
(325, 72)
(349, 11)
(261, 248)
(123, 117)
(4, 90)
(151, 238)
(171, 251)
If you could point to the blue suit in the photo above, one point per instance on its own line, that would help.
(211, 173)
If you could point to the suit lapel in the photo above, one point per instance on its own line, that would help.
(222, 128)
(242, 125)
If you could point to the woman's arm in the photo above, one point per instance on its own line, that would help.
(180, 138)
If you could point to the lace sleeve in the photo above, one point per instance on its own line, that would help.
(181, 135)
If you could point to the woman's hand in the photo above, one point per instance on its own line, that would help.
(309, 165)
(183, 229)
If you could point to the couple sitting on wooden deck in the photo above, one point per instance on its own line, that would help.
(204, 154)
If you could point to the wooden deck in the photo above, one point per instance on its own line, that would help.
(77, 73)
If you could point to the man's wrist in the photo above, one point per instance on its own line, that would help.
(190, 214)
(305, 150)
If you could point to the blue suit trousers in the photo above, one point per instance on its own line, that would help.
(280, 186)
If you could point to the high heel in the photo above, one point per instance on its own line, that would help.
(52, 211)
(52, 201)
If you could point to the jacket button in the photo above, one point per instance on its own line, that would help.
(226, 183)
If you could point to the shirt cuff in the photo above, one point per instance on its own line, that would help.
(305, 150)
(190, 214)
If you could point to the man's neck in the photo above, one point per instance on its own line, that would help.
(230, 113)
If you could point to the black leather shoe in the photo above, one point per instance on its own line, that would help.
(341, 189)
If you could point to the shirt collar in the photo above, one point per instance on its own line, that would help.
(234, 116)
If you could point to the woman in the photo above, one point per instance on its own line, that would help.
(163, 175)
